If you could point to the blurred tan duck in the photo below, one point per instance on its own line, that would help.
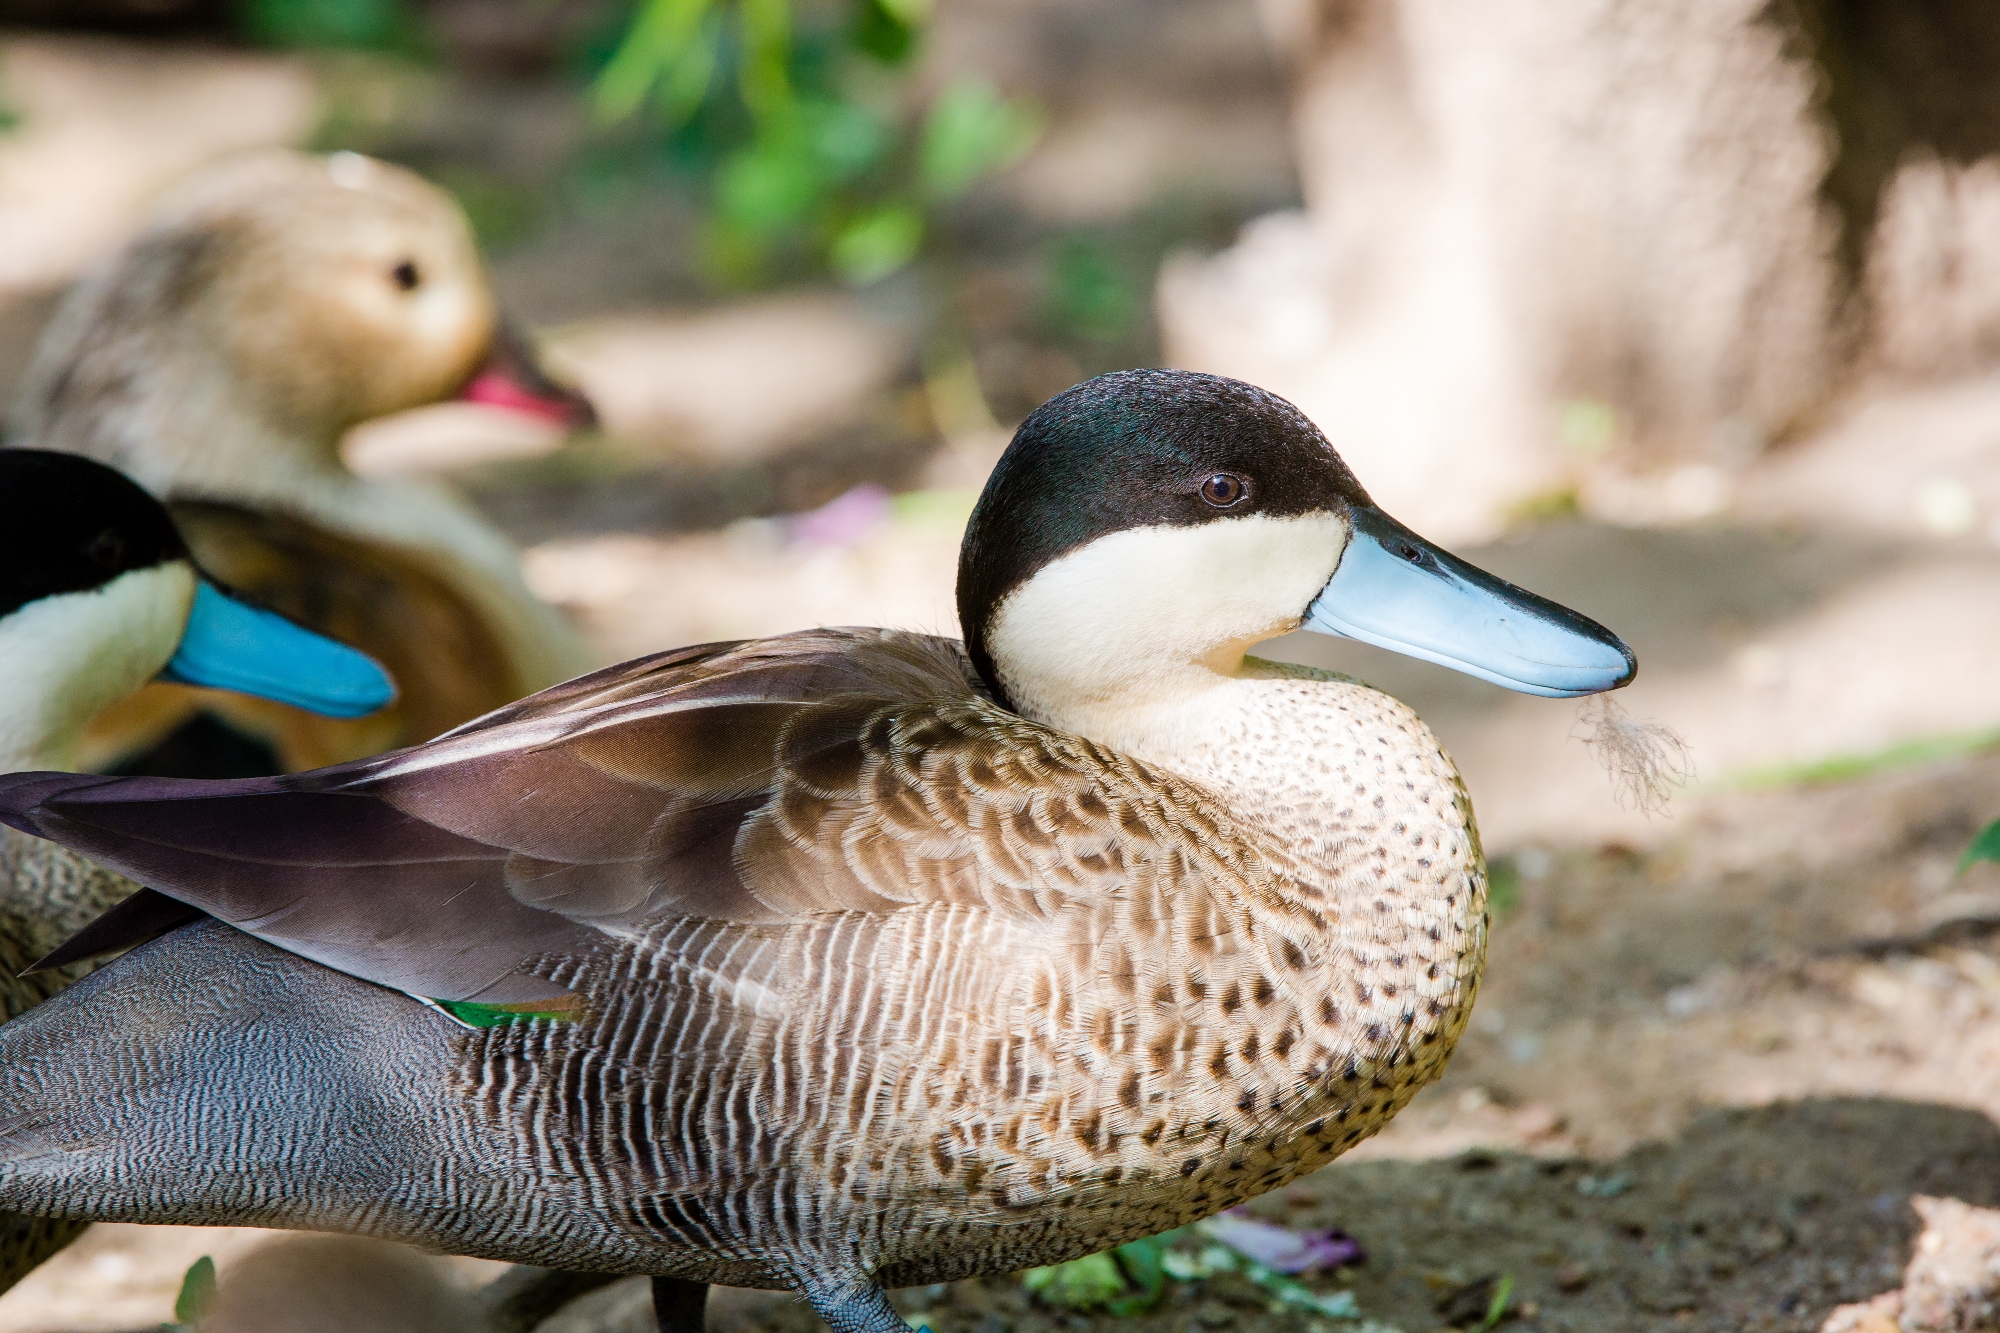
(272, 303)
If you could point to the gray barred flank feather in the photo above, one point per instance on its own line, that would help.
(46, 894)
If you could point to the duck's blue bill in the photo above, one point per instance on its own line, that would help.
(1397, 591)
(231, 645)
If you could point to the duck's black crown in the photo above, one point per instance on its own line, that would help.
(68, 524)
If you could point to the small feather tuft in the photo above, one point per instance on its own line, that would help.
(1645, 760)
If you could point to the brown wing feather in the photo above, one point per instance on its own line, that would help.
(762, 783)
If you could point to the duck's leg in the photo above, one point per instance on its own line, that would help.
(522, 1297)
(860, 1308)
(681, 1307)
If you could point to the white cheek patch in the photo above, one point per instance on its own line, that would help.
(65, 658)
(1146, 599)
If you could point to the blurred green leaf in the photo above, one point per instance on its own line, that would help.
(877, 244)
(1985, 847)
(1146, 1280)
(844, 139)
(668, 45)
(940, 510)
(1558, 502)
(883, 29)
(197, 1291)
(1088, 293)
(972, 131)
(1126, 1281)
(326, 23)
(1503, 888)
(1842, 767)
(768, 186)
(685, 82)
(1080, 1284)
(764, 81)
(803, 150)
(734, 257)
(1588, 425)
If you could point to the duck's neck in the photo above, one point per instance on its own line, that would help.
(1328, 768)
(162, 407)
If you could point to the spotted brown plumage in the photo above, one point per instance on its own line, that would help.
(856, 959)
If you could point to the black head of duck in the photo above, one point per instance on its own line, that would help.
(1151, 525)
(98, 595)
(843, 959)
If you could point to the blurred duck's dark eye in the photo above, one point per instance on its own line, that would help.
(106, 549)
(1225, 490)
(406, 276)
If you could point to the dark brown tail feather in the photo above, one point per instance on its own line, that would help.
(146, 915)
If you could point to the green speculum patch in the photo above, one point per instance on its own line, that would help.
(496, 1015)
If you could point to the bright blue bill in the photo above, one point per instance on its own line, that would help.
(1397, 591)
(231, 645)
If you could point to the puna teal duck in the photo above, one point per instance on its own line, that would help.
(272, 303)
(98, 595)
(840, 960)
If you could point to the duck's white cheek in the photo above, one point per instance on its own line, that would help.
(1165, 593)
(73, 654)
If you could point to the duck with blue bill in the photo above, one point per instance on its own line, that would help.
(98, 596)
(841, 960)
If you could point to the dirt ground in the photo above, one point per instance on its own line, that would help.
(1717, 1051)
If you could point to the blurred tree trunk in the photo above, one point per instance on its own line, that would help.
(1669, 230)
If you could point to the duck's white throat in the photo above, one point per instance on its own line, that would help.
(64, 658)
(1131, 639)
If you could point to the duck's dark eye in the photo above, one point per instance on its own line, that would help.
(106, 549)
(405, 276)
(1225, 490)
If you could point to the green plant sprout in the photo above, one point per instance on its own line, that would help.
(1985, 847)
(1124, 1281)
(1131, 1279)
(814, 146)
(196, 1295)
(1496, 1309)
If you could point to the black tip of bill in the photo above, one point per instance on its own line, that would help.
(1397, 591)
